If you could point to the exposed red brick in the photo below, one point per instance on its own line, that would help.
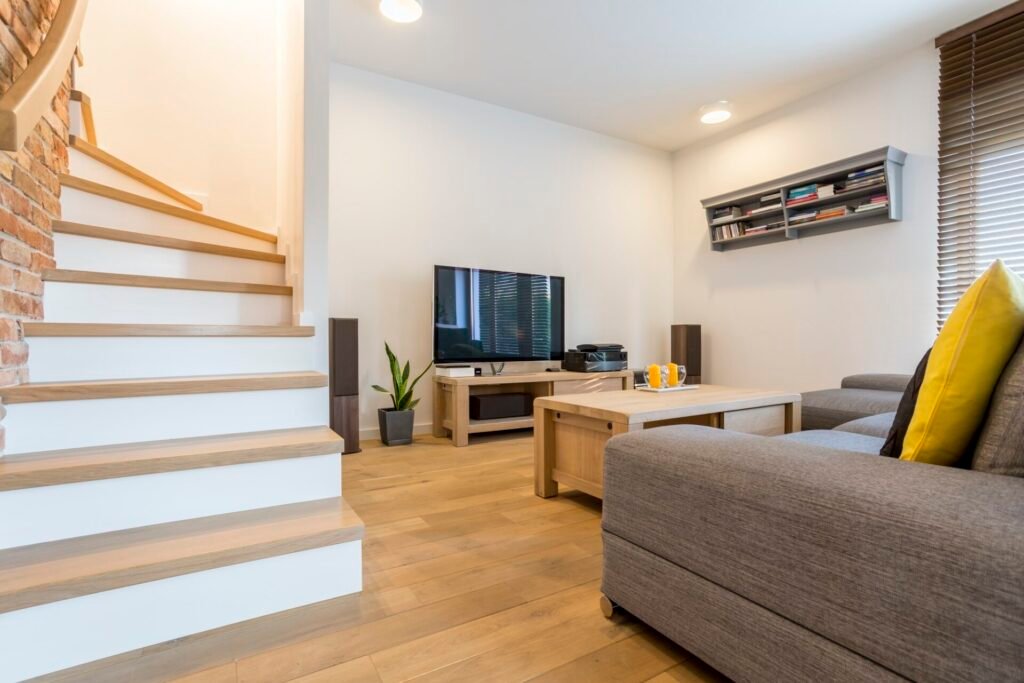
(9, 329)
(30, 283)
(15, 252)
(22, 305)
(13, 353)
(29, 188)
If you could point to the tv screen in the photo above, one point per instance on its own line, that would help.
(489, 315)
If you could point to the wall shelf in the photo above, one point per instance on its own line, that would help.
(837, 173)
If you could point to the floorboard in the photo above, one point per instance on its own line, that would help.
(468, 577)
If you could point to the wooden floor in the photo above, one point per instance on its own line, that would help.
(468, 577)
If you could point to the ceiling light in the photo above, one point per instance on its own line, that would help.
(402, 11)
(718, 112)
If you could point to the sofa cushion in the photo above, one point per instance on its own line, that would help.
(873, 425)
(833, 438)
(1000, 448)
(920, 569)
(893, 446)
(830, 408)
(878, 381)
(972, 349)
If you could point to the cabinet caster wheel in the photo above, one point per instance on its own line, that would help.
(608, 608)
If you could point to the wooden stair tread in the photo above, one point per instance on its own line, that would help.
(51, 329)
(89, 277)
(77, 183)
(35, 392)
(59, 570)
(113, 234)
(108, 159)
(50, 468)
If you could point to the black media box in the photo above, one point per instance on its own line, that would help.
(596, 358)
(495, 406)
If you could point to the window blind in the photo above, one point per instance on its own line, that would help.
(981, 155)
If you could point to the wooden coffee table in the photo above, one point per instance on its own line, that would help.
(569, 432)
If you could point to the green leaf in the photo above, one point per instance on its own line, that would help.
(413, 385)
(413, 405)
(377, 387)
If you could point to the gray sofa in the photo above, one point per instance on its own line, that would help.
(808, 557)
(858, 396)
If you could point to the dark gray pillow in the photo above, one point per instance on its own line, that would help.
(893, 446)
(1000, 448)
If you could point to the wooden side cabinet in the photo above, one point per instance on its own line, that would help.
(451, 397)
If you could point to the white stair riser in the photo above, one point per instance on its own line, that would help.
(58, 359)
(62, 634)
(76, 252)
(51, 513)
(52, 425)
(84, 166)
(69, 302)
(83, 207)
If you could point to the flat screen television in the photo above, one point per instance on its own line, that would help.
(494, 316)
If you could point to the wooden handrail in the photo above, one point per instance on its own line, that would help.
(24, 103)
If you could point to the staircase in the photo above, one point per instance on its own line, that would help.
(167, 470)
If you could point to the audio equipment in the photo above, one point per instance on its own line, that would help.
(686, 350)
(496, 406)
(343, 342)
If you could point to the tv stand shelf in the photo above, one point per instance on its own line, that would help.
(451, 397)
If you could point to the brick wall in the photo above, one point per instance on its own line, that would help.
(29, 187)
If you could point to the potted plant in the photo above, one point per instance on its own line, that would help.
(396, 421)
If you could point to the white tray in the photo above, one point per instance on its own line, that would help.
(665, 390)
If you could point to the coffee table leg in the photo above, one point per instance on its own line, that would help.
(544, 453)
(793, 417)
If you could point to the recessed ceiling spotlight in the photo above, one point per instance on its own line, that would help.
(402, 11)
(718, 112)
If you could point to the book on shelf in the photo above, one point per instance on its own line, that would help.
(773, 197)
(802, 217)
(726, 212)
(849, 186)
(874, 170)
(834, 212)
(764, 209)
(826, 190)
(802, 190)
(802, 200)
(877, 201)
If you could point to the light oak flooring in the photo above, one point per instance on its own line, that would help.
(468, 577)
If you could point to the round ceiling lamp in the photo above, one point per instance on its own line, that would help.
(402, 11)
(719, 112)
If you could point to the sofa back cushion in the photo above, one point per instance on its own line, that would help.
(1000, 448)
(876, 381)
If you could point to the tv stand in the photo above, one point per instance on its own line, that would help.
(451, 397)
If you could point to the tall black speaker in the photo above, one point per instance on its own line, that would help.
(343, 341)
(686, 350)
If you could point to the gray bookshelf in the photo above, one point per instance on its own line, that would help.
(836, 174)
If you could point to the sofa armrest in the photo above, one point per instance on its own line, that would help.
(877, 381)
(917, 567)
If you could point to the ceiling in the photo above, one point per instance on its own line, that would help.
(639, 69)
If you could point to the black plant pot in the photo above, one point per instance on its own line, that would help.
(395, 426)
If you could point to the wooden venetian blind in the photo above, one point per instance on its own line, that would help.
(981, 155)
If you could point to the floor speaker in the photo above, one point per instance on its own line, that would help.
(343, 341)
(686, 350)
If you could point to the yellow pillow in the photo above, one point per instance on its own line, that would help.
(967, 359)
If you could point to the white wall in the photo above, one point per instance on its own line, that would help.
(421, 177)
(801, 314)
(186, 90)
